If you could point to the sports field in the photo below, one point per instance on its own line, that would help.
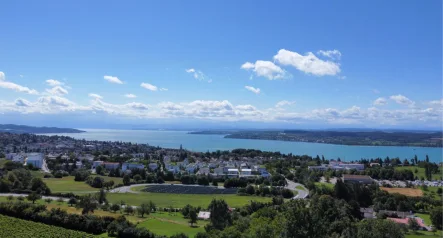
(181, 200)
(170, 224)
(411, 192)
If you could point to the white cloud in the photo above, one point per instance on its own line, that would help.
(437, 102)
(149, 86)
(265, 69)
(400, 99)
(130, 95)
(380, 102)
(308, 63)
(284, 103)
(13, 86)
(333, 54)
(96, 96)
(112, 79)
(197, 74)
(57, 90)
(252, 89)
(22, 102)
(53, 82)
(163, 89)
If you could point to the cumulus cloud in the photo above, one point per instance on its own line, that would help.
(149, 86)
(252, 89)
(284, 103)
(15, 87)
(437, 102)
(400, 99)
(22, 102)
(163, 89)
(265, 69)
(197, 74)
(53, 82)
(333, 54)
(130, 95)
(112, 79)
(380, 101)
(308, 63)
(95, 96)
(57, 90)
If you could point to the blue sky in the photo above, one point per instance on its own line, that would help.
(329, 64)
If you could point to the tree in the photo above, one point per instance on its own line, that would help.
(137, 178)
(114, 207)
(99, 170)
(152, 207)
(20, 198)
(413, 224)
(101, 196)
(60, 200)
(48, 200)
(129, 209)
(126, 180)
(436, 216)
(10, 198)
(88, 203)
(108, 185)
(439, 191)
(220, 217)
(33, 197)
(214, 183)
(370, 228)
(143, 209)
(72, 201)
(193, 216)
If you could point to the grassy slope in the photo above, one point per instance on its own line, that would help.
(328, 185)
(67, 184)
(167, 224)
(426, 218)
(421, 234)
(420, 171)
(180, 200)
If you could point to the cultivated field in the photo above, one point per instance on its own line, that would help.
(14, 227)
(411, 192)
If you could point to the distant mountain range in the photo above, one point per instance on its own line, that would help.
(35, 130)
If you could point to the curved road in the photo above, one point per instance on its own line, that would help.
(301, 193)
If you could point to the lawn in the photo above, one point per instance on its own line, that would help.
(300, 187)
(426, 218)
(421, 234)
(431, 191)
(2, 162)
(420, 172)
(327, 185)
(181, 200)
(164, 226)
(67, 184)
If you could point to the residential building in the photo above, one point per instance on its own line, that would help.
(232, 173)
(110, 165)
(204, 215)
(153, 166)
(246, 172)
(204, 171)
(130, 166)
(96, 163)
(367, 212)
(36, 159)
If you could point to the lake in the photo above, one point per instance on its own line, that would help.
(203, 143)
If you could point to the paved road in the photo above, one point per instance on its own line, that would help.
(45, 167)
(301, 193)
(25, 195)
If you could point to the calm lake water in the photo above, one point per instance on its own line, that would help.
(203, 143)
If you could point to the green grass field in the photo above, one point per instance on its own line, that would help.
(300, 187)
(2, 162)
(163, 223)
(423, 234)
(431, 191)
(327, 185)
(420, 172)
(426, 218)
(181, 200)
(67, 185)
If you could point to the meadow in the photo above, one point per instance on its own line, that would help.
(68, 185)
(181, 200)
(420, 172)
